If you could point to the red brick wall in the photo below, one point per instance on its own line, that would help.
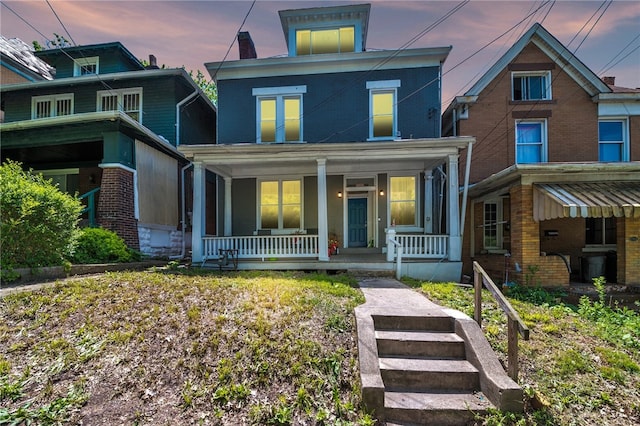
(572, 127)
(116, 206)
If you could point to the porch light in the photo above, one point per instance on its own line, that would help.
(382, 193)
(339, 194)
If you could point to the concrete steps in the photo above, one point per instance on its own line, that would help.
(427, 378)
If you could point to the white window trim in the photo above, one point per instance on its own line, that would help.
(405, 228)
(78, 63)
(546, 74)
(383, 86)
(280, 230)
(120, 93)
(279, 94)
(53, 99)
(499, 228)
(544, 154)
(625, 135)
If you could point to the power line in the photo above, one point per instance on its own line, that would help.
(60, 21)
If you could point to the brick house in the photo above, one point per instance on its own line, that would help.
(108, 128)
(329, 147)
(555, 175)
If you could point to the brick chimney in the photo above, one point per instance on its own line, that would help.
(245, 44)
(153, 63)
(611, 81)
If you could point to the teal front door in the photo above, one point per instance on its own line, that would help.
(357, 222)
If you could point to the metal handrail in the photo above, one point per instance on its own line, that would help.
(515, 325)
(91, 205)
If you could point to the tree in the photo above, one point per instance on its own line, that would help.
(208, 87)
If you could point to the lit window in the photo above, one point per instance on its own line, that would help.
(51, 106)
(335, 40)
(383, 109)
(531, 142)
(128, 101)
(612, 140)
(531, 86)
(280, 204)
(279, 114)
(85, 66)
(402, 200)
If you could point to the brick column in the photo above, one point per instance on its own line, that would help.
(116, 208)
(628, 245)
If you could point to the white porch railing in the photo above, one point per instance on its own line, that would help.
(262, 247)
(423, 246)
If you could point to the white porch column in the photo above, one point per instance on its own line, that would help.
(428, 201)
(323, 226)
(198, 219)
(453, 217)
(227, 207)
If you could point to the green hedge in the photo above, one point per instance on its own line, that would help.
(38, 222)
(98, 245)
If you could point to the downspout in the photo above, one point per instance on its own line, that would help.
(183, 202)
(467, 169)
(178, 106)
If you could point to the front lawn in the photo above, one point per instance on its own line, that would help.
(178, 348)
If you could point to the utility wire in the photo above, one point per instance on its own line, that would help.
(60, 21)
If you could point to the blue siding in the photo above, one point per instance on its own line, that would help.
(335, 106)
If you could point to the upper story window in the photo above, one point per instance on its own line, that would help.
(85, 66)
(280, 204)
(319, 41)
(613, 143)
(531, 141)
(402, 200)
(531, 86)
(383, 122)
(279, 114)
(128, 101)
(51, 105)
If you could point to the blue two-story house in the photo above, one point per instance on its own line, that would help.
(109, 127)
(331, 152)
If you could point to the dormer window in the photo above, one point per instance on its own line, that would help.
(531, 86)
(85, 66)
(319, 41)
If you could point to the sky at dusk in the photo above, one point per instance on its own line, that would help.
(191, 33)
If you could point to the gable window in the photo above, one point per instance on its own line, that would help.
(612, 141)
(531, 141)
(85, 66)
(279, 114)
(402, 200)
(280, 204)
(531, 86)
(319, 41)
(128, 101)
(600, 231)
(51, 106)
(492, 226)
(383, 123)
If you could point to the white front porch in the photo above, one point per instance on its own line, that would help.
(325, 205)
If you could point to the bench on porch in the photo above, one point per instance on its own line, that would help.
(226, 259)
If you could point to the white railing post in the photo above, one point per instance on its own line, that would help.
(391, 247)
(399, 263)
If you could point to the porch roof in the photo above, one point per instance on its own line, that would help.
(586, 199)
(250, 160)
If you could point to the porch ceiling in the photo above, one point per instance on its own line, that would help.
(250, 160)
(586, 199)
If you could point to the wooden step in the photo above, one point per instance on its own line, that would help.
(426, 373)
(420, 343)
(433, 407)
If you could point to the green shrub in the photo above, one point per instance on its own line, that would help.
(98, 245)
(38, 222)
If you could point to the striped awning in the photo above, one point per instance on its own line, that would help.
(586, 199)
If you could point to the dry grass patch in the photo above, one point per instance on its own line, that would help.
(182, 348)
